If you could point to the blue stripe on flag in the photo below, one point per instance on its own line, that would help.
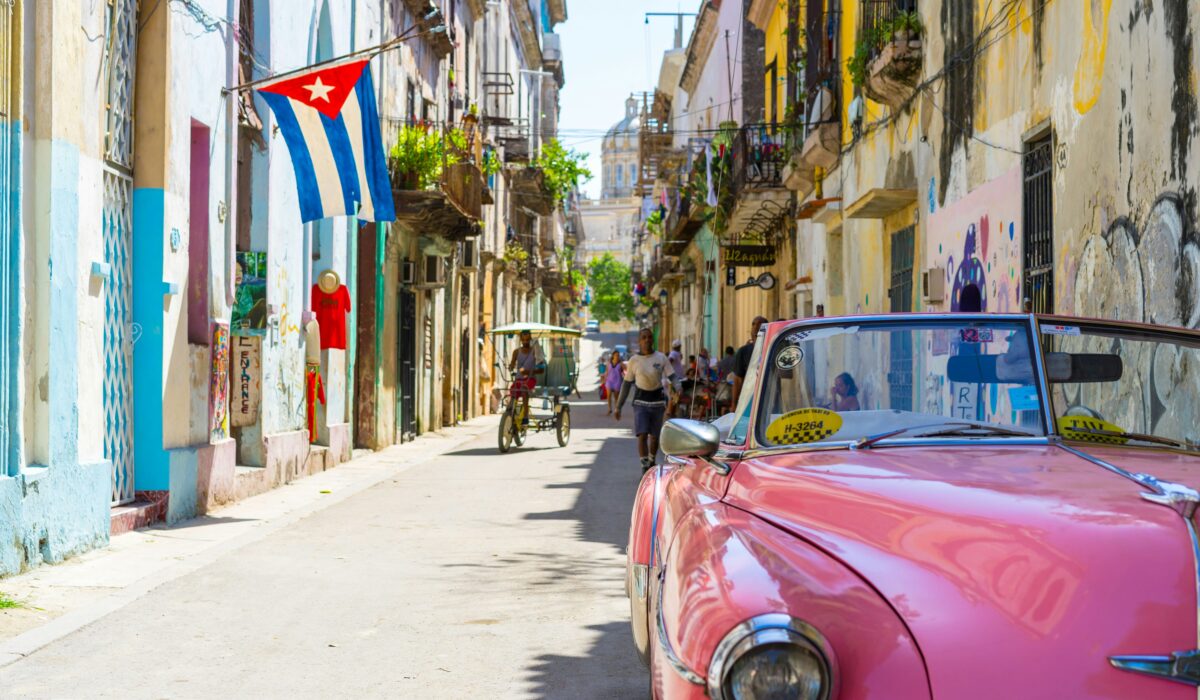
(306, 178)
(343, 158)
(375, 166)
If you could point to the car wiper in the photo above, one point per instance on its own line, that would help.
(959, 429)
(1144, 437)
(969, 429)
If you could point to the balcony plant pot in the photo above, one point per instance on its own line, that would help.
(893, 74)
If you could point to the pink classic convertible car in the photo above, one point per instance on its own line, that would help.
(931, 505)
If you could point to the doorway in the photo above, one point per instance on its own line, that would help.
(406, 348)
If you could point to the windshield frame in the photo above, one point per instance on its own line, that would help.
(778, 331)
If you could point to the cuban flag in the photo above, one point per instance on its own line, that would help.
(329, 121)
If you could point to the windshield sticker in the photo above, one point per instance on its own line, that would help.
(797, 337)
(789, 357)
(1088, 429)
(1060, 330)
(803, 425)
(975, 335)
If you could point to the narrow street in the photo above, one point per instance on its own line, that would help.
(472, 575)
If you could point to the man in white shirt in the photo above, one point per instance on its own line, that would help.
(648, 372)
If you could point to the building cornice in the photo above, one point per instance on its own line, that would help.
(558, 11)
(704, 35)
(531, 47)
(760, 12)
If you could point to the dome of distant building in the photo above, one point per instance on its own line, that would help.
(619, 154)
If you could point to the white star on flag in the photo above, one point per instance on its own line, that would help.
(318, 91)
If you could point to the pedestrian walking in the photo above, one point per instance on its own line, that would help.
(676, 357)
(649, 373)
(614, 376)
(741, 361)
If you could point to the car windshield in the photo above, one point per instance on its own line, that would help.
(867, 381)
(1115, 385)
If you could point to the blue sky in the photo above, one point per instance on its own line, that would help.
(608, 52)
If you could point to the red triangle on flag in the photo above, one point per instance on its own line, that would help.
(324, 89)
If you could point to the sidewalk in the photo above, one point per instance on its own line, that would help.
(57, 600)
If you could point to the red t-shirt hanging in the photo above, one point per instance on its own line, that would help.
(331, 310)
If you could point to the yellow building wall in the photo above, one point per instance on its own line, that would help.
(776, 50)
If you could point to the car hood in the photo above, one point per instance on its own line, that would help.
(1018, 569)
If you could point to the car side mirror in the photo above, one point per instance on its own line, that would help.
(689, 438)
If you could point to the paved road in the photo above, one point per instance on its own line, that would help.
(472, 575)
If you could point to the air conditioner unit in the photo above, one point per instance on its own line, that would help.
(433, 271)
(933, 284)
(408, 272)
(470, 255)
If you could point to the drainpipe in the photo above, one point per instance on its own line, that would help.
(231, 98)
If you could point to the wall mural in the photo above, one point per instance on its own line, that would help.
(1157, 261)
(977, 241)
(218, 392)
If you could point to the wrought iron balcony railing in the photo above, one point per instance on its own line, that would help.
(759, 156)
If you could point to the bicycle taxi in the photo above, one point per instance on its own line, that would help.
(547, 406)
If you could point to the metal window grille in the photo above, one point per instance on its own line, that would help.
(119, 329)
(900, 297)
(1038, 224)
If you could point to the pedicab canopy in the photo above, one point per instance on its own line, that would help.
(537, 330)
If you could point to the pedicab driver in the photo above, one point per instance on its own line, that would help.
(527, 362)
(648, 372)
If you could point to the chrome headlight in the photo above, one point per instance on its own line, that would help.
(768, 657)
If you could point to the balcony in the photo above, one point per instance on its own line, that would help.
(892, 30)
(681, 226)
(447, 204)
(760, 154)
(823, 145)
(552, 55)
(527, 186)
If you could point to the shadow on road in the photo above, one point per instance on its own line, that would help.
(600, 514)
(558, 676)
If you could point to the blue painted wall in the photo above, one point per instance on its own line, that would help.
(10, 311)
(151, 465)
(50, 512)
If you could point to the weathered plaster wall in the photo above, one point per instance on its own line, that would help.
(1114, 83)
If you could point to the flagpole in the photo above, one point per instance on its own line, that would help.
(372, 50)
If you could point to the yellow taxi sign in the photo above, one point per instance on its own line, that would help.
(803, 425)
(1088, 429)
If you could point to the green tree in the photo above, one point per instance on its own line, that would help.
(612, 289)
(564, 169)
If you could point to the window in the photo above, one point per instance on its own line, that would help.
(620, 177)
(900, 296)
(1037, 206)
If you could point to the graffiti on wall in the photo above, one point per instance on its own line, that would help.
(977, 240)
(1157, 262)
(247, 380)
(218, 393)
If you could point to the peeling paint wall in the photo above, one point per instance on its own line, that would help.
(1115, 84)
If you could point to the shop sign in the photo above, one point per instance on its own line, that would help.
(246, 380)
(750, 255)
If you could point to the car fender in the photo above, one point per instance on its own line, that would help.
(641, 555)
(725, 566)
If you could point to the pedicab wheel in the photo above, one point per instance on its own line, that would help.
(562, 426)
(518, 435)
(505, 437)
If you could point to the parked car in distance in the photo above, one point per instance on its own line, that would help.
(895, 494)
(593, 326)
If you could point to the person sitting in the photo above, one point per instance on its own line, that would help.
(845, 393)
(527, 362)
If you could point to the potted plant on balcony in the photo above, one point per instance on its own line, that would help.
(420, 153)
(906, 28)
